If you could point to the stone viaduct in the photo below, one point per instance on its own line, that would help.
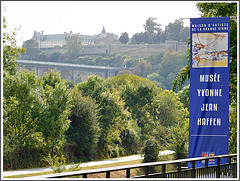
(70, 71)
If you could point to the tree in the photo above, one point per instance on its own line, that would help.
(10, 49)
(173, 30)
(151, 26)
(171, 64)
(42, 56)
(32, 48)
(151, 151)
(54, 56)
(84, 130)
(143, 68)
(139, 38)
(74, 46)
(168, 110)
(155, 77)
(54, 122)
(178, 140)
(124, 39)
(184, 95)
(184, 34)
(114, 117)
(22, 108)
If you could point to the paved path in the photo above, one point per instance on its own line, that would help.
(94, 163)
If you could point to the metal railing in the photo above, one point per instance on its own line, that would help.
(165, 169)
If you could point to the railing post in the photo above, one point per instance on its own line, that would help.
(84, 175)
(147, 171)
(179, 169)
(218, 168)
(164, 170)
(128, 173)
(193, 170)
(206, 168)
(108, 174)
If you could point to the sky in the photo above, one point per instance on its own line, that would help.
(89, 17)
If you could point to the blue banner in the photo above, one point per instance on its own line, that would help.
(209, 88)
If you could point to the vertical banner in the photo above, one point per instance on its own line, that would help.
(209, 88)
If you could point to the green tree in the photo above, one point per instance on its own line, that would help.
(54, 120)
(43, 56)
(155, 77)
(177, 140)
(124, 39)
(32, 48)
(54, 56)
(138, 94)
(74, 46)
(22, 108)
(172, 63)
(139, 38)
(151, 26)
(114, 117)
(151, 151)
(143, 68)
(184, 95)
(173, 30)
(84, 130)
(184, 34)
(11, 50)
(168, 109)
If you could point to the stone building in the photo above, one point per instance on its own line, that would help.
(59, 40)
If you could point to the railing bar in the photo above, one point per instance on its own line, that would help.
(215, 169)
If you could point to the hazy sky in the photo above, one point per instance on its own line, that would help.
(89, 17)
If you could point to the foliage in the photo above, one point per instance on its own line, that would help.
(22, 106)
(168, 109)
(184, 95)
(178, 139)
(32, 48)
(218, 9)
(151, 26)
(124, 72)
(43, 56)
(54, 57)
(74, 46)
(35, 116)
(151, 151)
(84, 130)
(124, 39)
(173, 31)
(56, 163)
(114, 117)
(232, 129)
(172, 63)
(10, 49)
(54, 122)
(143, 68)
(141, 38)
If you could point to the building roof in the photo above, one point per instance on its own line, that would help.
(60, 37)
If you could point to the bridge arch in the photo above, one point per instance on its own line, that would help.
(66, 75)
